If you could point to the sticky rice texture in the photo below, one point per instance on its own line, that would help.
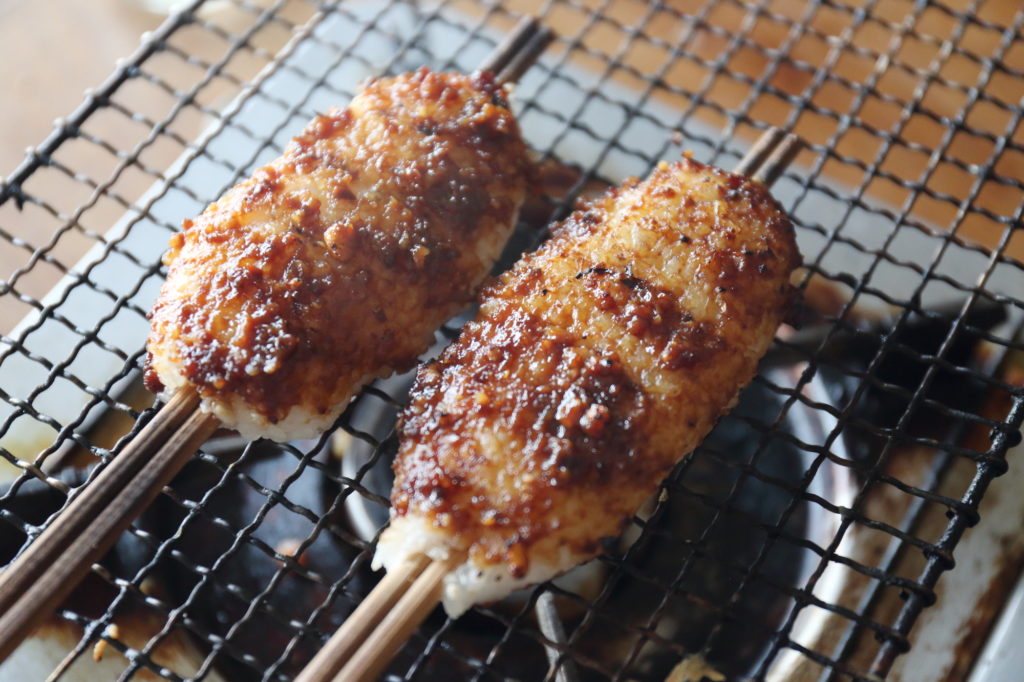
(335, 263)
(299, 423)
(468, 583)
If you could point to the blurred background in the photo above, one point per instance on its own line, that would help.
(54, 50)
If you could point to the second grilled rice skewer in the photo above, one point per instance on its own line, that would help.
(592, 367)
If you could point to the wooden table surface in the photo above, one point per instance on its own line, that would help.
(52, 50)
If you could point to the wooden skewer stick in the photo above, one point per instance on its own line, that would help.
(527, 28)
(386, 625)
(783, 154)
(516, 65)
(758, 154)
(412, 609)
(48, 571)
(53, 582)
(17, 577)
(360, 624)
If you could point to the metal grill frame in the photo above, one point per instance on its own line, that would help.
(740, 124)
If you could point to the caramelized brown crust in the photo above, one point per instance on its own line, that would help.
(595, 365)
(336, 261)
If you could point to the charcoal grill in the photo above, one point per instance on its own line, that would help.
(795, 544)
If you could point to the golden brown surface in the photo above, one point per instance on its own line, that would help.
(337, 261)
(595, 365)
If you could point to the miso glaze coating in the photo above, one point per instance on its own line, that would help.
(595, 365)
(334, 263)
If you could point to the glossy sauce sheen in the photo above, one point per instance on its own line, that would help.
(595, 365)
(337, 261)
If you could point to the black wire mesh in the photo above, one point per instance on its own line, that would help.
(907, 198)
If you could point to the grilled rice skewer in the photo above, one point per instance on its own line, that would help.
(50, 568)
(593, 366)
(335, 263)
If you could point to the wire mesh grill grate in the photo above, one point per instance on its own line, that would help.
(907, 201)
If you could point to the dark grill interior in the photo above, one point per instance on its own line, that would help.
(799, 542)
